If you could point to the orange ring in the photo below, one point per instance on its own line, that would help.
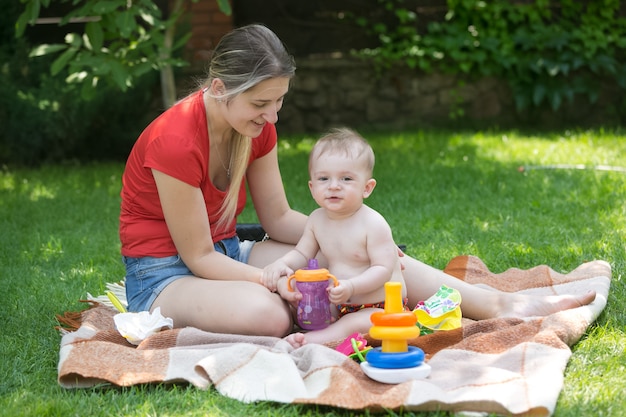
(381, 318)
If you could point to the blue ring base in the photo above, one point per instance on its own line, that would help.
(395, 360)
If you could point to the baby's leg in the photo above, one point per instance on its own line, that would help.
(358, 321)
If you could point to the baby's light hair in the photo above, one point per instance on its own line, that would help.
(346, 142)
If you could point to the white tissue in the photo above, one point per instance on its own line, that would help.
(136, 327)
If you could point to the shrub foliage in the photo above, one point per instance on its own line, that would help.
(548, 51)
(45, 119)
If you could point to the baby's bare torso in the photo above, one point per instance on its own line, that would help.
(347, 250)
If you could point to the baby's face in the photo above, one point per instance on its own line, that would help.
(339, 183)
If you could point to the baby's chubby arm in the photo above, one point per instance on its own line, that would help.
(370, 280)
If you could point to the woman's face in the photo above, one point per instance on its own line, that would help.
(248, 112)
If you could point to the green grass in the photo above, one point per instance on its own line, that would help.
(444, 193)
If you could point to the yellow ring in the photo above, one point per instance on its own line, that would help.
(394, 333)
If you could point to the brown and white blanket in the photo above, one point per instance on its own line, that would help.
(503, 366)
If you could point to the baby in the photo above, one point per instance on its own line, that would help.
(355, 240)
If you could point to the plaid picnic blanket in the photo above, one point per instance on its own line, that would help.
(503, 366)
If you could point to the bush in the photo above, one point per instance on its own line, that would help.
(548, 51)
(44, 119)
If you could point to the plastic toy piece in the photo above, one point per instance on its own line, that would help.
(394, 362)
(397, 319)
(396, 376)
(314, 308)
(354, 346)
(116, 302)
(412, 357)
(394, 336)
(346, 347)
(442, 311)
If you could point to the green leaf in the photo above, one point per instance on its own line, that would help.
(45, 49)
(94, 32)
(147, 17)
(74, 40)
(120, 75)
(126, 23)
(34, 10)
(103, 67)
(224, 6)
(142, 68)
(182, 41)
(62, 61)
(23, 20)
(104, 7)
(88, 91)
(76, 77)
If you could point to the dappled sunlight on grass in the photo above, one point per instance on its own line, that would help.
(39, 191)
(7, 181)
(51, 249)
(568, 149)
(34, 190)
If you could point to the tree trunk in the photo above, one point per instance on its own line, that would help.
(168, 83)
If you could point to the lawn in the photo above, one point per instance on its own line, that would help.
(513, 199)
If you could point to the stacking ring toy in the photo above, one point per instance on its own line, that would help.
(396, 360)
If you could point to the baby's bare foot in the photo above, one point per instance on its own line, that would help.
(542, 306)
(296, 340)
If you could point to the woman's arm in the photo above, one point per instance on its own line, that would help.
(188, 223)
(296, 258)
(270, 202)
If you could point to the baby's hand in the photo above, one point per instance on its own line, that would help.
(341, 293)
(272, 273)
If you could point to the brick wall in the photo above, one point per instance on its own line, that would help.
(208, 25)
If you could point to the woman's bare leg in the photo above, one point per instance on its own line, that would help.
(236, 307)
(422, 281)
(264, 253)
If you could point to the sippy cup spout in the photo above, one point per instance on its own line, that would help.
(313, 264)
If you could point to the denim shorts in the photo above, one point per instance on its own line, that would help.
(146, 277)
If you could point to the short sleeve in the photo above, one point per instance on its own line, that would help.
(177, 157)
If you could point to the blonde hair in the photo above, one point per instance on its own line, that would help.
(242, 59)
(345, 141)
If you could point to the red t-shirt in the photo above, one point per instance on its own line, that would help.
(177, 144)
